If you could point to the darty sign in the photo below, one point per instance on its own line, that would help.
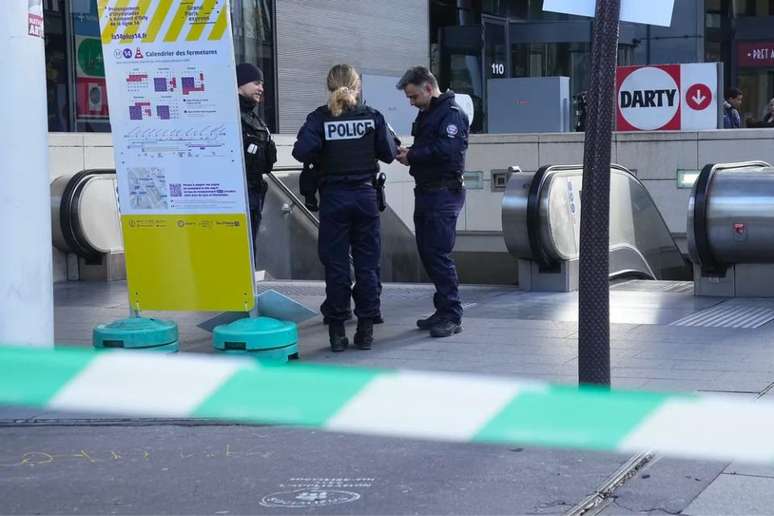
(667, 97)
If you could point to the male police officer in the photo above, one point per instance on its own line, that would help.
(437, 161)
(259, 149)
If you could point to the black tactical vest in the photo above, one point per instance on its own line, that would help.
(259, 149)
(348, 143)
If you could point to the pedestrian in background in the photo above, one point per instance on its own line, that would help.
(767, 117)
(732, 103)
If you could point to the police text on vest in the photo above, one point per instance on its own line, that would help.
(347, 129)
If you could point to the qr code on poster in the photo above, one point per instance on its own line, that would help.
(175, 190)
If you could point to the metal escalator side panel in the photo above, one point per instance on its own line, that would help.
(57, 188)
(627, 260)
(636, 221)
(286, 245)
(729, 217)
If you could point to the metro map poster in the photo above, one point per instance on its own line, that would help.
(176, 135)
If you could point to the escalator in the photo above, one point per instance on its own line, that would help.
(84, 213)
(541, 227)
(287, 241)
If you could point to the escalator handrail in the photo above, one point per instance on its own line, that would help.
(291, 194)
(69, 216)
(538, 250)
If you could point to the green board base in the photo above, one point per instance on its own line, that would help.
(138, 333)
(254, 334)
(278, 355)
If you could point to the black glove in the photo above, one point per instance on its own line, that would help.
(310, 201)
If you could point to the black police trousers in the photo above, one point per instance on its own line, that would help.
(349, 222)
(435, 226)
(256, 195)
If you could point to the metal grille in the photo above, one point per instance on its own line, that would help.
(729, 315)
(677, 287)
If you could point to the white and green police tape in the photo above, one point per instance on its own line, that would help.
(437, 406)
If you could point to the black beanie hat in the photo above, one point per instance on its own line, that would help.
(247, 72)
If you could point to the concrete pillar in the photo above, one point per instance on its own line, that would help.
(26, 282)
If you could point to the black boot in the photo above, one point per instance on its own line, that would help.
(364, 336)
(339, 341)
(445, 328)
(426, 324)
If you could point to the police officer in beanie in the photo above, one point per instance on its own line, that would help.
(346, 139)
(259, 149)
(437, 161)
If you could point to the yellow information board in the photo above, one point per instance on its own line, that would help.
(174, 116)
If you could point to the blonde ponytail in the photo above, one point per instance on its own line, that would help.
(343, 85)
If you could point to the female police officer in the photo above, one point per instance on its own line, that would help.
(345, 139)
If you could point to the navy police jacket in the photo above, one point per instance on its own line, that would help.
(440, 141)
(345, 148)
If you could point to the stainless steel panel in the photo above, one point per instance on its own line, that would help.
(58, 186)
(739, 214)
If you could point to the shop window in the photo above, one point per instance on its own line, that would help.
(253, 27)
(75, 72)
(91, 102)
(57, 66)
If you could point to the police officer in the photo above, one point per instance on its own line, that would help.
(345, 139)
(437, 161)
(259, 149)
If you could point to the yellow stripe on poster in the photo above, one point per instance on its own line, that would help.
(157, 21)
(114, 21)
(101, 7)
(188, 262)
(142, 8)
(179, 20)
(220, 25)
(202, 19)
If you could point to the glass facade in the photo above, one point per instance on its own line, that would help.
(75, 74)
(474, 41)
(741, 34)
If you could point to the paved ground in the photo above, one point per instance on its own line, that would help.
(71, 463)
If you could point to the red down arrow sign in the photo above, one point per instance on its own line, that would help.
(698, 96)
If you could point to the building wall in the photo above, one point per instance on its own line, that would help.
(654, 157)
(375, 36)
